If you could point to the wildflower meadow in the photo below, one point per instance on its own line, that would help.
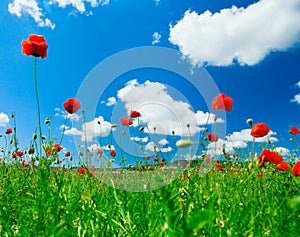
(47, 192)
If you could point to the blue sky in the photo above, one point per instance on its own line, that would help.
(250, 49)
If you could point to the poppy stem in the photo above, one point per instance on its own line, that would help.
(64, 129)
(85, 138)
(252, 151)
(37, 101)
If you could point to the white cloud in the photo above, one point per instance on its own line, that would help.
(296, 99)
(156, 38)
(237, 140)
(245, 135)
(93, 129)
(162, 113)
(298, 84)
(246, 35)
(163, 142)
(282, 151)
(140, 139)
(4, 120)
(207, 118)
(96, 146)
(79, 5)
(151, 146)
(111, 101)
(30, 7)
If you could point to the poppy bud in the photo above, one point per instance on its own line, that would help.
(184, 143)
(31, 150)
(141, 129)
(34, 136)
(249, 121)
(47, 121)
(113, 125)
(43, 137)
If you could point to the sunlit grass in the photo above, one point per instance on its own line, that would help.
(46, 202)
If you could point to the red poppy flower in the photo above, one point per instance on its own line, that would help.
(8, 131)
(134, 114)
(162, 163)
(269, 156)
(283, 166)
(148, 158)
(52, 150)
(294, 130)
(82, 170)
(212, 137)
(126, 121)
(113, 153)
(35, 46)
(23, 163)
(72, 105)
(222, 102)
(260, 176)
(219, 166)
(14, 155)
(20, 153)
(296, 169)
(68, 154)
(156, 159)
(260, 130)
(99, 152)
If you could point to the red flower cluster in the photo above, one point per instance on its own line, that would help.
(72, 105)
(82, 170)
(212, 137)
(219, 166)
(260, 130)
(18, 153)
(222, 102)
(294, 130)
(126, 121)
(53, 150)
(269, 156)
(35, 46)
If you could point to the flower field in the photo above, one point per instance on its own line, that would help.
(43, 196)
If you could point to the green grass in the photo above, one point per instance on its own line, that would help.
(44, 202)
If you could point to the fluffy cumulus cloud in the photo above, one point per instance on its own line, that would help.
(4, 120)
(111, 101)
(96, 147)
(207, 118)
(243, 35)
(282, 151)
(140, 139)
(153, 147)
(97, 127)
(156, 38)
(237, 140)
(32, 8)
(296, 97)
(79, 5)
(162, 113)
